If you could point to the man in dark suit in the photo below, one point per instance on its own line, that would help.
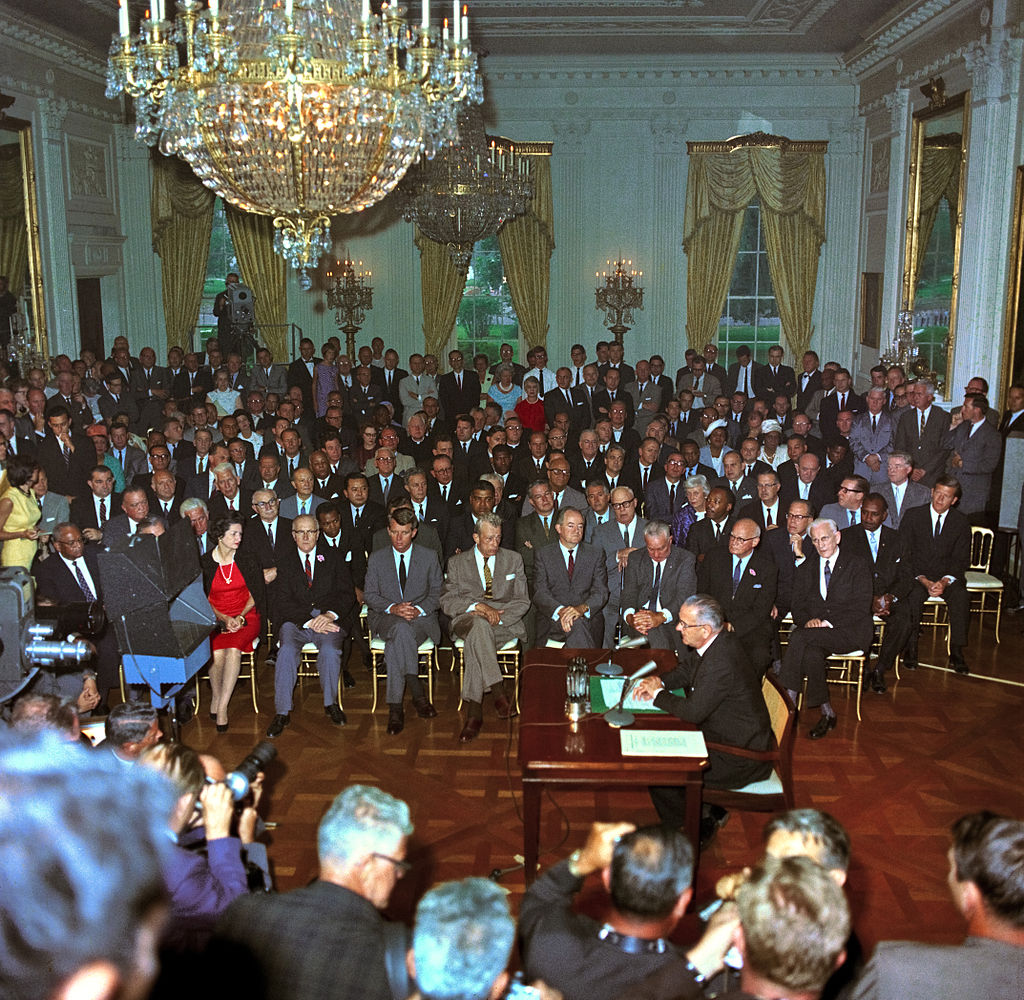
(391, 376)
(766, 511)
(742, 487)
(385, 485)
(559, 400)
(775, 378)
(921, 433)
(743, 579)
(72, 400)
(165, 495)
(831, 614)
(364, 396)
(659, 577)
(67, 457)
(571, 586)
(788, 548)
(62, 579)
(613, 392)
(91, 513)
(743, 373)
(150, 385)
(301, 372)
(667, 495)
(402, 593)
(841, 401)
(808, 382)
(359, 515)
(892, 582)
(937, 547)
(1012, 421)
(712, 531)
(312, 601)
(135, 508)
(468, 454)
(723, 698)
(17, 444)
(191, 384)
(229, 496)
(458, 390)
(584, 398)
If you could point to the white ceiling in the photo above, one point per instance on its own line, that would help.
(581, 27)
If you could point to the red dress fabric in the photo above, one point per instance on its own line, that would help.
(230, 599)
(531, 414)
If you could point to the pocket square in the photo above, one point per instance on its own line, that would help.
(510, 576)
(757, 586)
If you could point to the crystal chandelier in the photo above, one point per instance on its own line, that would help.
(619, 296)
(468, 190)
(350, 297)
(296, 109)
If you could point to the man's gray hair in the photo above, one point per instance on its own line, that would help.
(657, 529)
(489, 517)
(820, 522)
(224, 467)
(361, 821)
(462, 939)
(494, 479)
(706, 610)
(698, 481)
(877, 390)
(191, 504)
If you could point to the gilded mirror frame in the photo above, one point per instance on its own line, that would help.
(940, 107)
(1013, 328)
(23, 129)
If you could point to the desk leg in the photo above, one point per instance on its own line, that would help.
(694, 801)
(531, 827)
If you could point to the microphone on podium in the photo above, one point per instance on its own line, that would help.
(618, 717)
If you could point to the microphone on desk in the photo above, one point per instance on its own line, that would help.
(618, 717)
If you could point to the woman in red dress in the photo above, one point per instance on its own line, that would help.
(234, 586)
(530, 408)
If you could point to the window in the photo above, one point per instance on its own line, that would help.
(486, 318)
(934, 292)
(750, 315)
(220, 262)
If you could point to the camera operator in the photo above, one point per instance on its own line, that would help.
(200, 886)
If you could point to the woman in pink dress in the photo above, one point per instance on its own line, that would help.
(234, 586)
(325, 378)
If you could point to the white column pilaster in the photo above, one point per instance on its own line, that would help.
(898, 103)
(665, 294)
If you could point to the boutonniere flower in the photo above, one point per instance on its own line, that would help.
(751, 571)
(320, 557)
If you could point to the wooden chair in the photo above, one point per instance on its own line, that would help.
(509, 660)
(775, 792)
(426, 655)
(981, 585)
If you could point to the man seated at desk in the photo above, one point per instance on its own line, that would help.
(723, 698)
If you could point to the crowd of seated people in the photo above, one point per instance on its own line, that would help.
(614, 492)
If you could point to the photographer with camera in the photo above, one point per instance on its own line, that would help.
(201, 886)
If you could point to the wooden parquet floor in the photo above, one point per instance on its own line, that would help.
(934, 746)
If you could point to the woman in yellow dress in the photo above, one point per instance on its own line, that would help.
(19, 514)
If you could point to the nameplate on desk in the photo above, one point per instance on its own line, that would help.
(662, 743)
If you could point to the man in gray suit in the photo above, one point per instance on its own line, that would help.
(571, 586)
(268, 377)
(705, 387)
(986, 881)
(403, 583)
(415, 387)
(533, 532)
(558, 479)
(975, 447)
(871, 438)
(485, 595)
(659, 577)
(921, 432)
(646, 395)
(901, 492)
(618, 538)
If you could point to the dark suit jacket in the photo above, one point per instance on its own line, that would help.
(530, 530)
(829, 411)
(181, 387)
(949, 554)
(83, 510)
(733, 378)
(363, 401)
(81, 415)
(373, 516)
(657, 505)
(821, 490)
(376, 494)
(749, 611)
(392, 395)
(298, 375)
(678, 581)
(292, 600)
(602, 400)
(890, 571)
(256, 542)
(777, 545)
(848, 606)
(768, 385)
(804, 396)
(555, 403)
(455, 401)
(69, 479)
(218, 506)
(701, 538)
(553, 589)
(724, 699)
(929, 451)
(55, 582)
(584, 406)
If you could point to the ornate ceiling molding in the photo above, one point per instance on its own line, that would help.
(813, 71)
(880, 46)
(759, 139)
(23, 32)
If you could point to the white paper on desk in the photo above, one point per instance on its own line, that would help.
(611, 689)
(662, 743)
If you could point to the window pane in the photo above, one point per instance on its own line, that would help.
(220, 261)
(486, 317)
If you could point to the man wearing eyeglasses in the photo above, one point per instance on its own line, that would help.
(327, 939)
(846, 513)
(618, 538)
(313, 601)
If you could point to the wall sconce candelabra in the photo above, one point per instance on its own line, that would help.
(349, 295)
(619, 296)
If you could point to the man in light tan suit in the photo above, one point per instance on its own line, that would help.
(485, 595)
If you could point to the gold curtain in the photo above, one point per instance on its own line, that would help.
(526, 243)
(940, 178)
(13, 230)
(790, 184)
(441, 287)
(265, 272)
(182, 218)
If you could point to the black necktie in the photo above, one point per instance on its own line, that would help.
(672, 498)
(828, 576)
(401, 573)
(938, 527)
(652, 604)
(270, 534)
